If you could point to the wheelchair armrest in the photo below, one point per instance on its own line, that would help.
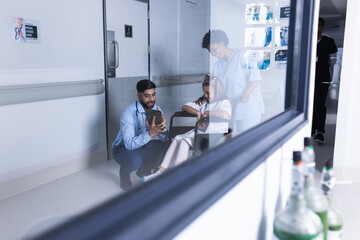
(184, 114)
(213, 119)
(202, 141)
(175, 130)
(208, 119)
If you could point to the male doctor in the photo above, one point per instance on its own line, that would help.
(136, 146)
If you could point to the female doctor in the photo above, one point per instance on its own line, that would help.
(240, 80)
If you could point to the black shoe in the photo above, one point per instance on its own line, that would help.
(125, 182)
(142, 172)
(319, 137)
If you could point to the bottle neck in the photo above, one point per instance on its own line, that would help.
(309, 160)
(309, 180)
(327, 181)
(296, 203)
(297, 180)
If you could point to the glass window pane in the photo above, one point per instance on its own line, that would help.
(224, 60)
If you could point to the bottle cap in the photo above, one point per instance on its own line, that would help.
(329, 163)
(308, 142)
(296, 156)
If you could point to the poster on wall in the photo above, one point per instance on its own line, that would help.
(282, 36)
(281, 58)
(258, 13)
(258, 37)
(257, 59)
(25, 30)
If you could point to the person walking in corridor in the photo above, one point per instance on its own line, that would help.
(326, 49)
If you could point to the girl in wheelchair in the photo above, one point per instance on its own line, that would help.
(213, 103)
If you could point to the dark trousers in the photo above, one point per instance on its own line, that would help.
(144, 159)
(319, 112)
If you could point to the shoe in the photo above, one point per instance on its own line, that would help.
(319, 137)
(151, 176)
(142, 172)
(125, 182)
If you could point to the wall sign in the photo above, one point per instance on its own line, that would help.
(284, 12)
(31, 31)
(128, 31)
(25, 30)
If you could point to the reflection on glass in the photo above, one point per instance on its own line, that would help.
(249, 61)
(241, 83)
(257, 58)
(282, 36)
(212, 104)
(281, 59)
(258, 13)
(282, 10)
(258, 37)
(245, 51)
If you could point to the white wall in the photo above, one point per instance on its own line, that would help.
(38, 135)
(133, 60)
(348, 116)
(70, 46)
(194, 22)
(177, 28)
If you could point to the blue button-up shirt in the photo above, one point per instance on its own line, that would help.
(133, 131)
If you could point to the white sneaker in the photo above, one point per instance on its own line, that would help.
(151, 176)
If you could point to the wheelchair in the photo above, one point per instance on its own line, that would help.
(202, 140)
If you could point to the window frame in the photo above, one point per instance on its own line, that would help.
(160, 209)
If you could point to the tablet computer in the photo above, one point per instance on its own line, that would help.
(150, 115)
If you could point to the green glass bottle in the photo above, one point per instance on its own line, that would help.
(297, 222)
(334, 219)
(315, 200)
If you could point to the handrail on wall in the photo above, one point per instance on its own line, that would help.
(177, 79)
(24, 93)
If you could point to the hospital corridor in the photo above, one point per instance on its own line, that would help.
(179, 119)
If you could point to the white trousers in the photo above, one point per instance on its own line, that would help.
(177, 153)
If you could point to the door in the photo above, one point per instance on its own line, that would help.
(127, 49)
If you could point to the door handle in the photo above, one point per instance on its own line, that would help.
(116, 51)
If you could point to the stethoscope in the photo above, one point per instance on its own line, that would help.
(142, 120)
(137, 109)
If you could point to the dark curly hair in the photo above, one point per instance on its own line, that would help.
(214, 36)
(143, 85)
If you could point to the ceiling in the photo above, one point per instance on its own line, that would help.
(334, 13)
(333, 9)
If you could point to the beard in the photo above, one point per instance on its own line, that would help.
(147, 104)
